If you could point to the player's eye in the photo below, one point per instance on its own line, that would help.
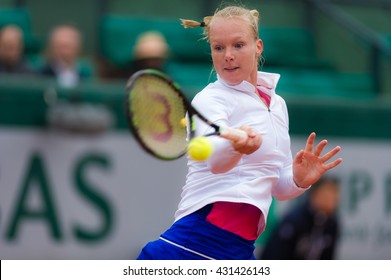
(218, 48)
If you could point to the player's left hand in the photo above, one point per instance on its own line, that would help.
(309, 166)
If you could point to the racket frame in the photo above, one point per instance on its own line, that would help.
(191, 111)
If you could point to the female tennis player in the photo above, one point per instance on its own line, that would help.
(226, 199)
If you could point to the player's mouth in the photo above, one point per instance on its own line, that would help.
(231, 69)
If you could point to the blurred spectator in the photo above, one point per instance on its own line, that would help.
(12, 59)
(150, 52)
(311, 229)
(63, 53)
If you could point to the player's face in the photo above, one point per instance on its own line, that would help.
(235, 51)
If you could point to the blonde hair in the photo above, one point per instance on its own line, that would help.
(252, 16)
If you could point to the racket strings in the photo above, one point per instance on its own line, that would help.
(158, 110)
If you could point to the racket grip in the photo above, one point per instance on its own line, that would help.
(232, 134)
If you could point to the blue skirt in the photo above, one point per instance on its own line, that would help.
(193, 238)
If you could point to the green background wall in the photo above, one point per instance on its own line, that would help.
(333, 42)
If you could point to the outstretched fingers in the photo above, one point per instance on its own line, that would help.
(319, 148)
(310, 142)
(299, 156)
(331, 153)
(333, 164)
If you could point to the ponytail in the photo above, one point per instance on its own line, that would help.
(188, 23)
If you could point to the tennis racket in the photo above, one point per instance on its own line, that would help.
(159, 115)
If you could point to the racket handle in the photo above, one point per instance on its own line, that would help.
(232, 134)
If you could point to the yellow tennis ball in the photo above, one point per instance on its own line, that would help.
(183, 122)
(200, 148)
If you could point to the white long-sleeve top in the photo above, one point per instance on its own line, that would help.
(228, 175)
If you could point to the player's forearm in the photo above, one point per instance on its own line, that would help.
(286, 187)
(224, 156)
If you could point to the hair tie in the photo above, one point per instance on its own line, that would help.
(202, 24)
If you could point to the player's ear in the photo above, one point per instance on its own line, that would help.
(259, 47)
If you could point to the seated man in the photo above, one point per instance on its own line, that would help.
(63, 52)
(12, 51)
(150, 51)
